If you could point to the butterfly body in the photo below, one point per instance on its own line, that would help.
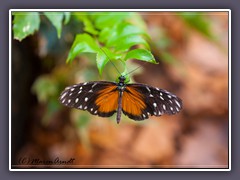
(104, 98)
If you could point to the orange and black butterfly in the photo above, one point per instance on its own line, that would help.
(104, 98)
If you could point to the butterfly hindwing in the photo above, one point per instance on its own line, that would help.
(157, 102)
(92, 96)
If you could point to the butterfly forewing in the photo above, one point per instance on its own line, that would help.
(133, 104)
(89, 96)
(157, 102)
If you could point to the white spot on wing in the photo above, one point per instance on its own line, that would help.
(79, 91)
(80, 107)
(169, 96)
(144, 115)
(150, 95)
(85, 83)
(63, 95)
(166, 92)
(70, 94)
(69, 100)
(72, 89)
(94, 85)
(159, 113)
(148, 89)
(90, 90)
(155, 104)
(178, 103)
(164, 107)
(161, 94)
(91, 109)
(162, 98)
(148, 113)
(81, 88)
(86, 99)
(154, 113)
(95, 112)
(85, 107)
(157, 89)
(171, 108)
(76, 100)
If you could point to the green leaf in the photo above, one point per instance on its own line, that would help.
(104, 35)
(125, 73)
(123, 30)
(56, 19)
(82, 43)
(140, 54)
(104, 55)
(101, 60)
(24, 24)
(88, 25)
(67, 16)
(108, 19)
(127, 42)
(111, 36)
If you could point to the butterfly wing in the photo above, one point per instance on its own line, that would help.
(97, 97)
(133, 103)
(141, 101)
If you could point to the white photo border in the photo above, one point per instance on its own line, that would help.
(124, 10)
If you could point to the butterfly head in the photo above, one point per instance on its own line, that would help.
(121, 82)
(122, 79)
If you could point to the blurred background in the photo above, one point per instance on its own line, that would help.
(192, 51)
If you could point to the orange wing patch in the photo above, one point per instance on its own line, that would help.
(107, 99)
(133, 102)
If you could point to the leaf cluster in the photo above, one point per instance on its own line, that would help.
(112, 36)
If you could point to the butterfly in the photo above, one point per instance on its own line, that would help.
(104, 98)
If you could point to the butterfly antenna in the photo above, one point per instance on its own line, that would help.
(110, 61)
(135, 69)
